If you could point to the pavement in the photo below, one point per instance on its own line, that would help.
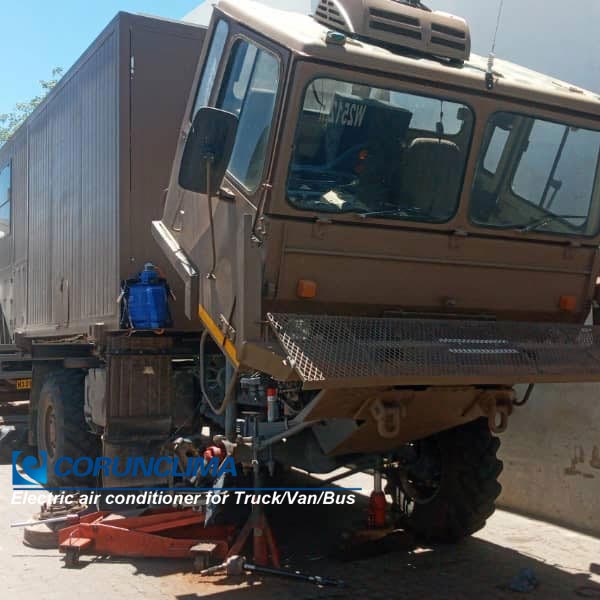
(566, 563)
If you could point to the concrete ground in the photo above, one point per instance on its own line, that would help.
(567, 564)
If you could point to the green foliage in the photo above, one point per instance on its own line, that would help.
(10, 122)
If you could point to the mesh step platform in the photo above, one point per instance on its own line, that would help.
(329, 352)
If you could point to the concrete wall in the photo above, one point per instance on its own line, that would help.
(551, 455)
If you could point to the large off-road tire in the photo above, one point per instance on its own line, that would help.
(466, 489)
(61, 426)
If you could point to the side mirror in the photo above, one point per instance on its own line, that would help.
(207, 150)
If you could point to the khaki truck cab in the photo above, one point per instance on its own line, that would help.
(382, 234)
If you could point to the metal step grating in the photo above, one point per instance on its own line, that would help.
(331, 351)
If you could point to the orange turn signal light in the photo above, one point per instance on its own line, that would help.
(568, 303)
(306, 288)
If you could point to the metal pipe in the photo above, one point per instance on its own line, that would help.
(294, 430)
(231, 408)
(34, 522)
(526, 396)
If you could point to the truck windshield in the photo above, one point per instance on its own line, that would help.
(537, 175)
(379, 153)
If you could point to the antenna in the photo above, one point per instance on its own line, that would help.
(489, 75)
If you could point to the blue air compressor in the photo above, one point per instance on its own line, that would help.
(144, 301)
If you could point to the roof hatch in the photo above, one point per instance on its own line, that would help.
(399, 24)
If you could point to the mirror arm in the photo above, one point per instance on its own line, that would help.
(209, 161)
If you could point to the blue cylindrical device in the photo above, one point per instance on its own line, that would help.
(148, 300)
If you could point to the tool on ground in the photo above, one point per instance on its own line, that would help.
(236, 565)
(34, 522)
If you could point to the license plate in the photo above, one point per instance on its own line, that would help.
(23, 384)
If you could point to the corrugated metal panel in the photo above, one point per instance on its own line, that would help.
(19, 197)
(6, 305)
(20, 296)
(13, 248)
(73, 197)
(99, 279)
(39, 281)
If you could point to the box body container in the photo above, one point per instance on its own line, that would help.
(87, 172)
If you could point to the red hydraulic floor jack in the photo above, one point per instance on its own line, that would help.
(170, 533)
(164, 533)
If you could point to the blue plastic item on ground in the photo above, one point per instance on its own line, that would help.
(524, 582)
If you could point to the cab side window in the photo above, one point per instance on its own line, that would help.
(5, 185)
(249, 90)
(211, 67)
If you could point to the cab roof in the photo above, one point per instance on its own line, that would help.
(306, 37)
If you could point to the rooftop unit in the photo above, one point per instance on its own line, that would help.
(399, 25)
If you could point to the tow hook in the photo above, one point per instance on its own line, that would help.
(497, 406)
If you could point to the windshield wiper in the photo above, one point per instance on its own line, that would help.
(394, 212)
(533, 225)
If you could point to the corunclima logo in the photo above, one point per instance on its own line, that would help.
(35, 471)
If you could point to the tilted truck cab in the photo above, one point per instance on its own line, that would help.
(404, 232)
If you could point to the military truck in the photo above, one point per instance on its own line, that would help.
(381, 235)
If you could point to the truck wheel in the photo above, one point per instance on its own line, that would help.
(448, 491)
(61, 426)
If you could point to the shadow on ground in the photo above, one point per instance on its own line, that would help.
(314, 540)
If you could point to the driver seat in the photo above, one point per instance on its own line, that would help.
(431, 176)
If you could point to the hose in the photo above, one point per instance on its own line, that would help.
(525, 397)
